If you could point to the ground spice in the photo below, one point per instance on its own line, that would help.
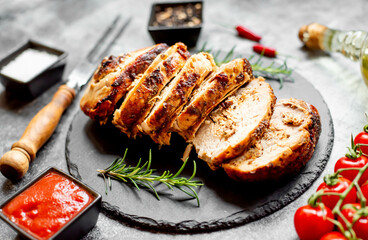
(187, 15)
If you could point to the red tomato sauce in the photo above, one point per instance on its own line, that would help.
(47, 205)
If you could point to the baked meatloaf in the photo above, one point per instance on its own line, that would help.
(113, 79)
(211, 92)
(172, 99)
(140, 99)
(285, 147)
(237, 122)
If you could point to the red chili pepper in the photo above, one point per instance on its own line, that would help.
(266, 51)
(248, 34)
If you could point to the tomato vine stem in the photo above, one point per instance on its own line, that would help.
(336, 209)
(314, 200)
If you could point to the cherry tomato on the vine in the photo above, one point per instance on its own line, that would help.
(364, 189)
(360, 227)
(333, 236)
(311, 223)
(346, 162)
(362, 138)
(341, 185)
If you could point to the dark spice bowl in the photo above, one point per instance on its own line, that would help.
(77, 226)
(172, 22)
(38, 82)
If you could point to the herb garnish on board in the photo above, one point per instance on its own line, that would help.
(270, 71)
(143, 176)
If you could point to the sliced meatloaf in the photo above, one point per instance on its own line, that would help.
(140, 99)
(113, 79)
(171, 100)
(213, 90)
(237, 122)
(285, 147)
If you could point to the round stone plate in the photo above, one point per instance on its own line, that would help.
(224, 203)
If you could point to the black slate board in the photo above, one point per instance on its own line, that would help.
(224, 202)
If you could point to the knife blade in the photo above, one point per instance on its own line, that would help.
(14, 164)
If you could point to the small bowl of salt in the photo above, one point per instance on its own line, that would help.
(31, 69)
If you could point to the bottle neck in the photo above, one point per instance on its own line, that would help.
(349, 43)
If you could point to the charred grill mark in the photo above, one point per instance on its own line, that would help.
(239, 78)
(138, 66)
(163, 115)
(188, 81)
(152, 54)
(140, 101)
(191, 80)
(222, 79)
(163, 112)
(125, 79)
(182, 50)
(248, 68)
(180, 93)
(108, 65)
(169, 66)
(153, 80)
(193, 111)
(109, 97)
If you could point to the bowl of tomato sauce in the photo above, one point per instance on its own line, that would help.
(54, 205)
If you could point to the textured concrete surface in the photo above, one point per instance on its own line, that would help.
(74, 26)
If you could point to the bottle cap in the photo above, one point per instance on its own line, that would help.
(312, 35)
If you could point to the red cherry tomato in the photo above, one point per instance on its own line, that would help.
(364, 189)
(341, 185)
(333, 236)
(346, 162)
(311, 223)
(363, 139)
(360, 227)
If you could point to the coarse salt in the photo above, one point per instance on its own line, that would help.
(28, 64)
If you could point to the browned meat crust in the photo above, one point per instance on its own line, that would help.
(216, 88)
(108, 65)
(173, 98)
(141, 98)
(289, 162)
(105, 91)
(236, 123)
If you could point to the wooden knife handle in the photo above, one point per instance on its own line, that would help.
(14, 164)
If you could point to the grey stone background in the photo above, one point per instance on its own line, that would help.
(74, 26)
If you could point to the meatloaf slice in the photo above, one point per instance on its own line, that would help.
(112, 80)
(213, 90)
(171, 100)
(237, 122)
(285, 147)
(140, 99)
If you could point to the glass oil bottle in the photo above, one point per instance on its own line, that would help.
(352, 44)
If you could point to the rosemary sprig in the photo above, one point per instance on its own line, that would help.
(142, 176)
(280, 73)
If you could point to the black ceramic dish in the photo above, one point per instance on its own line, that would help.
(172, 34)
(42, 80)
(78, 226)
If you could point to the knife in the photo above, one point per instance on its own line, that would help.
(15, 163)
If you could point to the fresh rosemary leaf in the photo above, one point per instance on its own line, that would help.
(142, 176)
(281, 73)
